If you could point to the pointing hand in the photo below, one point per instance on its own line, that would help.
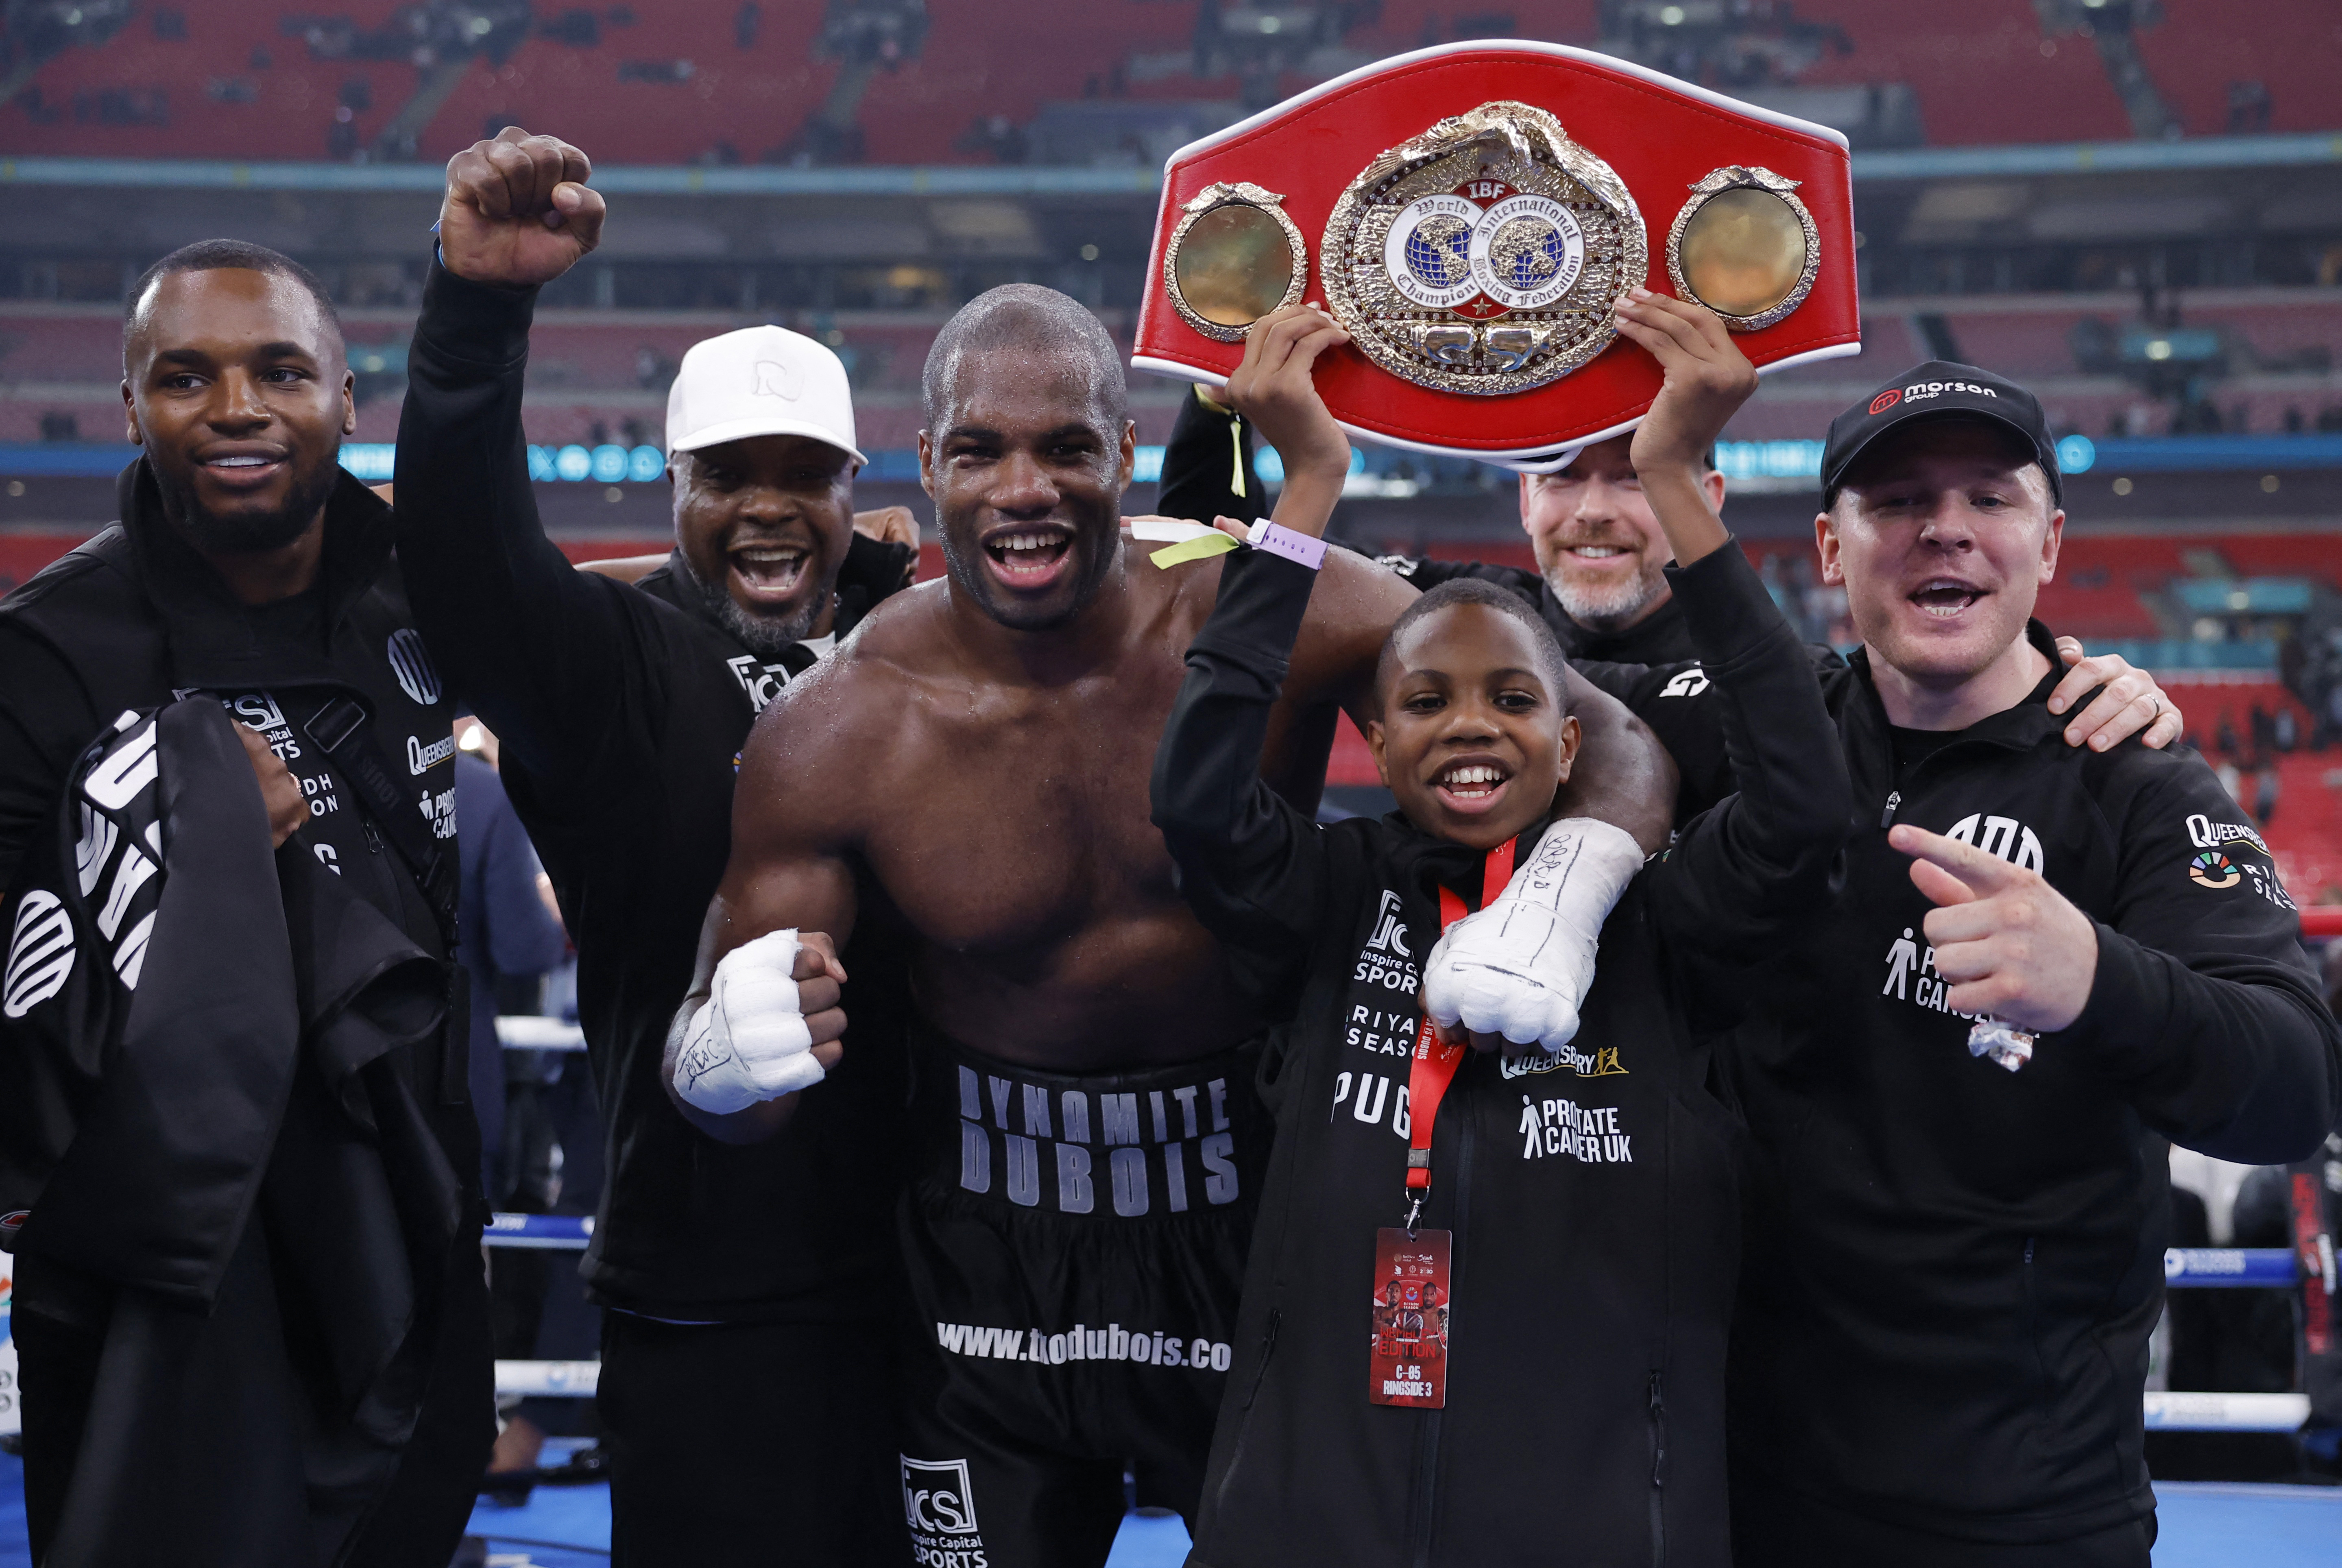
(2011, 944)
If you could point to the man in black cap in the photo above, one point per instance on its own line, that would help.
(2044, 964)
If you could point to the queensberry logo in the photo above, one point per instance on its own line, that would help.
(2206, 833)
(421, 759)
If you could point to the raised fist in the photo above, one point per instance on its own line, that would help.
(754, 1040)
(517, 212)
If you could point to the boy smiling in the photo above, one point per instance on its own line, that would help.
(1462, 1257)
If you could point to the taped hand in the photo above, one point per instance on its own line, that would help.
(1520, 968)
(753, 1039)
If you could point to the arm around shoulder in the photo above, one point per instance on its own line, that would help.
(1249, 865)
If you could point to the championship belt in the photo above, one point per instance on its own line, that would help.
(1469, 213)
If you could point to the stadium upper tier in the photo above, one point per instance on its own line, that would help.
(2264, 358)
(899, 82)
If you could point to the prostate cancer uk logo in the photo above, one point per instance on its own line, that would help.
(1886, 400)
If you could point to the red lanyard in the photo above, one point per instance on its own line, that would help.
(1435, 1064)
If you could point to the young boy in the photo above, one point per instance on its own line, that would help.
(1502, 1343)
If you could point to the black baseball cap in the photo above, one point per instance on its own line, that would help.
(1927, 391)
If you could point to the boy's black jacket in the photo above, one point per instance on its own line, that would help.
(1591, 1192)
(1952, 1270)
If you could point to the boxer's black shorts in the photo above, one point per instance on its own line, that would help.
(1076, 1245)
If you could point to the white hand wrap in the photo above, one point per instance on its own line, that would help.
(1520, 967)
(750, 1042)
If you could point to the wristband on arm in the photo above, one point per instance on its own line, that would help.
(1266, 535)
(1197, 541)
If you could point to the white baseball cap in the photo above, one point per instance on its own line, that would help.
(759, 381)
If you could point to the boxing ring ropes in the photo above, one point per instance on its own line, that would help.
(2312, 1267)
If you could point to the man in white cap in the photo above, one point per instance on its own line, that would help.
(746, 1383)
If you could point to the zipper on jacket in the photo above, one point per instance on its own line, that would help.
(1426, 1469)
(1267, 1349)
(1903, 776)
(1658, 1471)
(2033, 1323)
(1243, 1425)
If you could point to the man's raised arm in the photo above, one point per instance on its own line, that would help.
(529, 641)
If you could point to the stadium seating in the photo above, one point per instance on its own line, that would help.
(612, 366)
(586, 369)
(2276, 346)
(668, 82)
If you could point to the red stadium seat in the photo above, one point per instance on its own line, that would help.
(237, 85)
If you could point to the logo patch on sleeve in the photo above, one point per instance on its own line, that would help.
(2213, 869)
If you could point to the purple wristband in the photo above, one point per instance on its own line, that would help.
(1266, 535)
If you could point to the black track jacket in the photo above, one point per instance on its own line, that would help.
(622, 710)
(232, 1082)
(1591, 1192)
(1952, 1270)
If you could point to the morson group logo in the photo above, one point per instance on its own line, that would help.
(1886, 400)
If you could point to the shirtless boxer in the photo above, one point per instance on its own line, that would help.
(969, 775)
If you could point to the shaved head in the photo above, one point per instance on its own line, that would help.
(1035, 324)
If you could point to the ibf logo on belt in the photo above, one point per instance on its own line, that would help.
(940, 1508)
